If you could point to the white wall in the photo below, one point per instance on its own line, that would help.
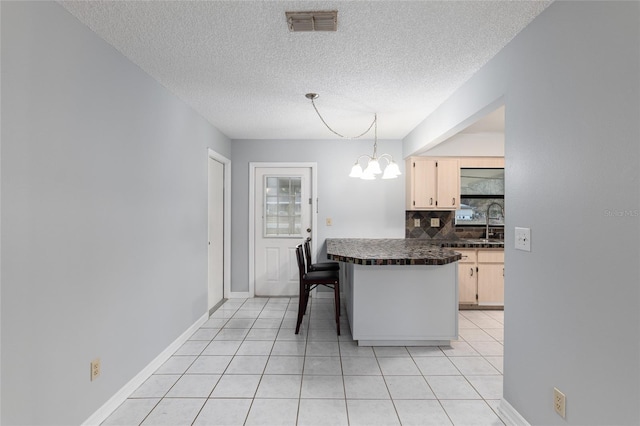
(359, 208)
(104, 216)
(572, 149)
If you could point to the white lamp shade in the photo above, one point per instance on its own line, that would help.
(389, 173)
(356, 171)
(367, 175)
(373, 167)
(393, 168)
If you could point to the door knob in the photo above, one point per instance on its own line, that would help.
(308, 229)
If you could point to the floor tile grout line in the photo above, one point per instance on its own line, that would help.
(339, 354)
(220, 378)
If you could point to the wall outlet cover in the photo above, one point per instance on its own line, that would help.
(559, 403)
(523, 239)
(95, 369)
(435, 222)
(416, 223)
(329, 221)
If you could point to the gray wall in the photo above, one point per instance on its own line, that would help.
(104, 216)
(572, 149)
(359, 209)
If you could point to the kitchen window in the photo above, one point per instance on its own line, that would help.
(479, 188)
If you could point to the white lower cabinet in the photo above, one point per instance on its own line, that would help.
(481, 277)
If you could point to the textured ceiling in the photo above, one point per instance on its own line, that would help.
(237, 64)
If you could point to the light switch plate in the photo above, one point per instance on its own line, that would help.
(435, 222)
(523, 239)
(416, 223)
(329, 221)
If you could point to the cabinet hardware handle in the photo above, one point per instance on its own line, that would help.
(503, 272)
(471, 269)
(453, 201)
(430, 201)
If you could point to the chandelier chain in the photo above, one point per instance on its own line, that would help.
(375, 119)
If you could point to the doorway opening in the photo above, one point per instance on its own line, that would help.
(219, 230)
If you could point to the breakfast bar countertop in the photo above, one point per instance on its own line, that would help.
(389, 251)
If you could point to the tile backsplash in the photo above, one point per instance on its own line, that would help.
(446, 231)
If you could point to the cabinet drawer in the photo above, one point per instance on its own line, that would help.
(490, 256)
(468, 256)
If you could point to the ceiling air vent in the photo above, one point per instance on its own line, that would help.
(312, 21)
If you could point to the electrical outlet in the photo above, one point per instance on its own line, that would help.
(95, 369)
(559, 402)
(416, 223)
(435, 222)
(329, 221)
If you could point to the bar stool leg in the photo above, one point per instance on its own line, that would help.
(336, 295)
(302, 307)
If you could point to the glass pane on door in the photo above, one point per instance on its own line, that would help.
(282, 206)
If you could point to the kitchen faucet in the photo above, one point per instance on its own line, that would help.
(486, 235)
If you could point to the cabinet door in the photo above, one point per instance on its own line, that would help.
(424, 184)
(491, 284)
(467, 281)
(448, 189)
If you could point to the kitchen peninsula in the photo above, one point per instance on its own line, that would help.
(398, 292)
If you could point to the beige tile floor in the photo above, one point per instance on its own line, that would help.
(246, 366)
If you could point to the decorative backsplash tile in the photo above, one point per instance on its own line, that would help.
(425, 230)
(447, 229)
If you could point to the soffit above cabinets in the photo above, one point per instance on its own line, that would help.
(484, 138)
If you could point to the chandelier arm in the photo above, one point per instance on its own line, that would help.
(387, 157)
(375, 119)
(368, 157)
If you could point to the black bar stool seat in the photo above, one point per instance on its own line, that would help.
(321, 266)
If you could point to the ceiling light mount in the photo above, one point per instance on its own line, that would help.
(373, 168)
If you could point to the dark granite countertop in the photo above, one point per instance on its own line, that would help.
(401, 251)
(387, 251)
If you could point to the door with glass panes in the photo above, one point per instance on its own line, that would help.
(283, 220)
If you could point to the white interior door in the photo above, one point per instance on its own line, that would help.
(216, 233)
(282, 206)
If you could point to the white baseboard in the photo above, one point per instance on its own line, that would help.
(510, 415)
(238, 295)
(114, 402)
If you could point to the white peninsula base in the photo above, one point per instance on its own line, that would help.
(401, 305)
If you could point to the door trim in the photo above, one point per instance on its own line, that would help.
(227, 222)
(252, 214)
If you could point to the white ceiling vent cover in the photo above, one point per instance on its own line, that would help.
(312, 21)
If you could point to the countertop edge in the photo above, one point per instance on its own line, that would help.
(419, 261)
(389, 251)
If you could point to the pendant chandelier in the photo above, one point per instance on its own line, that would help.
(373, 167)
